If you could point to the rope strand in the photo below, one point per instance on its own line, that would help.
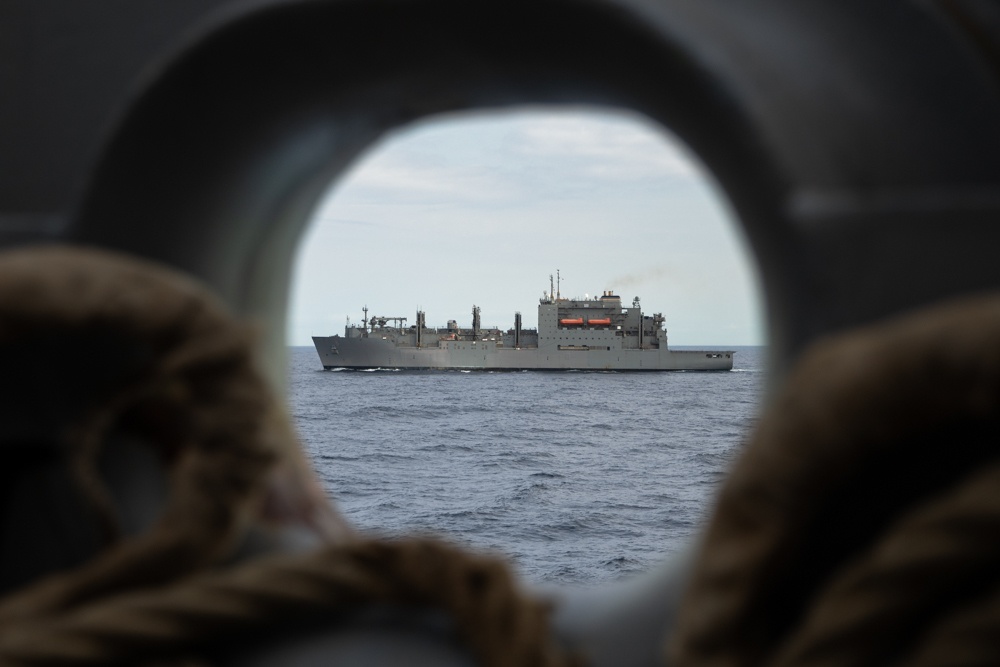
(502, 626)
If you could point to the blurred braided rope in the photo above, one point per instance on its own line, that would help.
(860, 524)
(180, 375)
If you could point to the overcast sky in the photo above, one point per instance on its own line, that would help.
(480, 209)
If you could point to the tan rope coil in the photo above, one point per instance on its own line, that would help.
(861, 525)
(177, 371)
(502, 626)
(182, 378)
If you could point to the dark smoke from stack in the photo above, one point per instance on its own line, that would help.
(620, 283)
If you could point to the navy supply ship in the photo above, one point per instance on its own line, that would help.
(572, 334)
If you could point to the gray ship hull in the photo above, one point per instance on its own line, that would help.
(588, 334)
(373, 352)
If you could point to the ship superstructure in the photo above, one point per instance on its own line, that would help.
(592, 333)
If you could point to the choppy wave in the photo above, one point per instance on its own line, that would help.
(579, 477)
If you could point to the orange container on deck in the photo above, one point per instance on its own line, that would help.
(596, 322)
(570, 321)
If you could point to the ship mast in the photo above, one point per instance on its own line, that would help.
(558, 280)
(552, 289)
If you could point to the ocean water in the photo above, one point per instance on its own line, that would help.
(578, 477)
